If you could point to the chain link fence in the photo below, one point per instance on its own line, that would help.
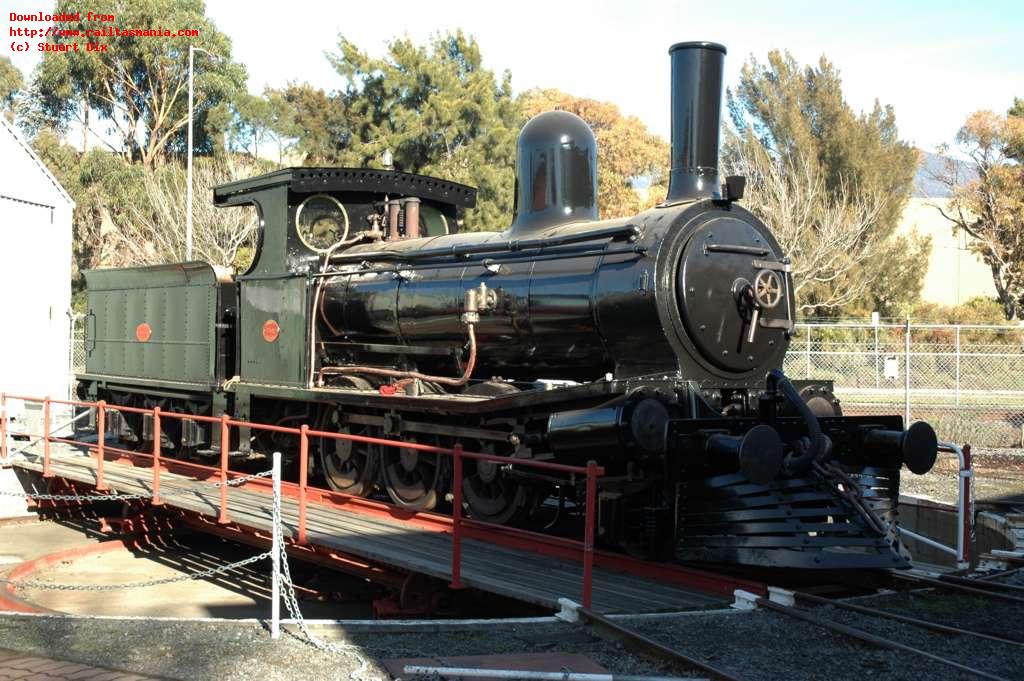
(966, 380)
(77, 344)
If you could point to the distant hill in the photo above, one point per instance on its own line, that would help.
(925, 184)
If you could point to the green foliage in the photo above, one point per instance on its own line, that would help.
(310, 117)
(979, 310)
(798, 112)
(896, 275)
(138, 86)
(437, 110)
(11, 84)
(103, 186)
(270, 119)
(1015, 150)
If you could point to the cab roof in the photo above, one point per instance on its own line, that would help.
(309, 180)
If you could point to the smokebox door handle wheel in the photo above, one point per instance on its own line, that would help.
(767, 289)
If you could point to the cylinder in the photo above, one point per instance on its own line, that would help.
(597, 428)
(696, 115)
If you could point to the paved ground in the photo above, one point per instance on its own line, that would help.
(211, 651)
(30, 538)
(27, 667)
(241, 593)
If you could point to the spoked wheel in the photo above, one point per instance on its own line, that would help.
(491, 494)
(348, 466)
(414, 480)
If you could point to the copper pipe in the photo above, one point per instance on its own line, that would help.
(409, 376)
(321, 297)
(412, 218)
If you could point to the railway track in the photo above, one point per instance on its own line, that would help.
(815, 610)
(648, 647)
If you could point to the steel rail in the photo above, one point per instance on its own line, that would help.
(958, 587)
(608, 629)
(995, 586)
(913, 621)
(1001, 573)
(872, 639)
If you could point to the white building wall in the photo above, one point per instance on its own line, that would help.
(955, 274)
(35, 273)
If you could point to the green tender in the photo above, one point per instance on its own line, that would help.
(179, 304)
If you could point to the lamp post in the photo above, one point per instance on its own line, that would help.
(188, 189)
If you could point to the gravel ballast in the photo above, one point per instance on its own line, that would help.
(756, 646)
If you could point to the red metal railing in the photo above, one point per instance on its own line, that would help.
(159, 463)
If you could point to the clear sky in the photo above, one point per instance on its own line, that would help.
(934, 62)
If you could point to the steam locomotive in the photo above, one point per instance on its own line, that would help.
(652, 344)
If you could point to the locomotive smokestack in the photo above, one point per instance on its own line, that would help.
(696, 114)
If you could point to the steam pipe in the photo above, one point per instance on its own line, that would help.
(821, 445)
(696, 115)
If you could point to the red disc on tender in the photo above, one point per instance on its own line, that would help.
(271, 330)
(143, 332)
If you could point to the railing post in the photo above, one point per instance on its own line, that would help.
(303, 475)
(807, 354)
(958, 365)
(965, 533)
(225, 447)
(101, 437)
(46, 438)
(156, 457)
(3, 429)
(457, 517)
(275, 553)
(588, 537)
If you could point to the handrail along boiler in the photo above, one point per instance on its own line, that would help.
(652, 344)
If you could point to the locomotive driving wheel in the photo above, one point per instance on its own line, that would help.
(491, 494)
(413, 479)
(348, 466)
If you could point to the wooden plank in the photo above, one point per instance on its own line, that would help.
(518, 574)
(527, 573)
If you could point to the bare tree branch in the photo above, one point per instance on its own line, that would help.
(828, 234)
(155, 231)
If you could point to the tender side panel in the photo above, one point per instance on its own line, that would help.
(152, 323)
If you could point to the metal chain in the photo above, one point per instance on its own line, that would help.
(292, 605)
(852, 492)
(245, 478)
(76, 497)
(202, 574)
